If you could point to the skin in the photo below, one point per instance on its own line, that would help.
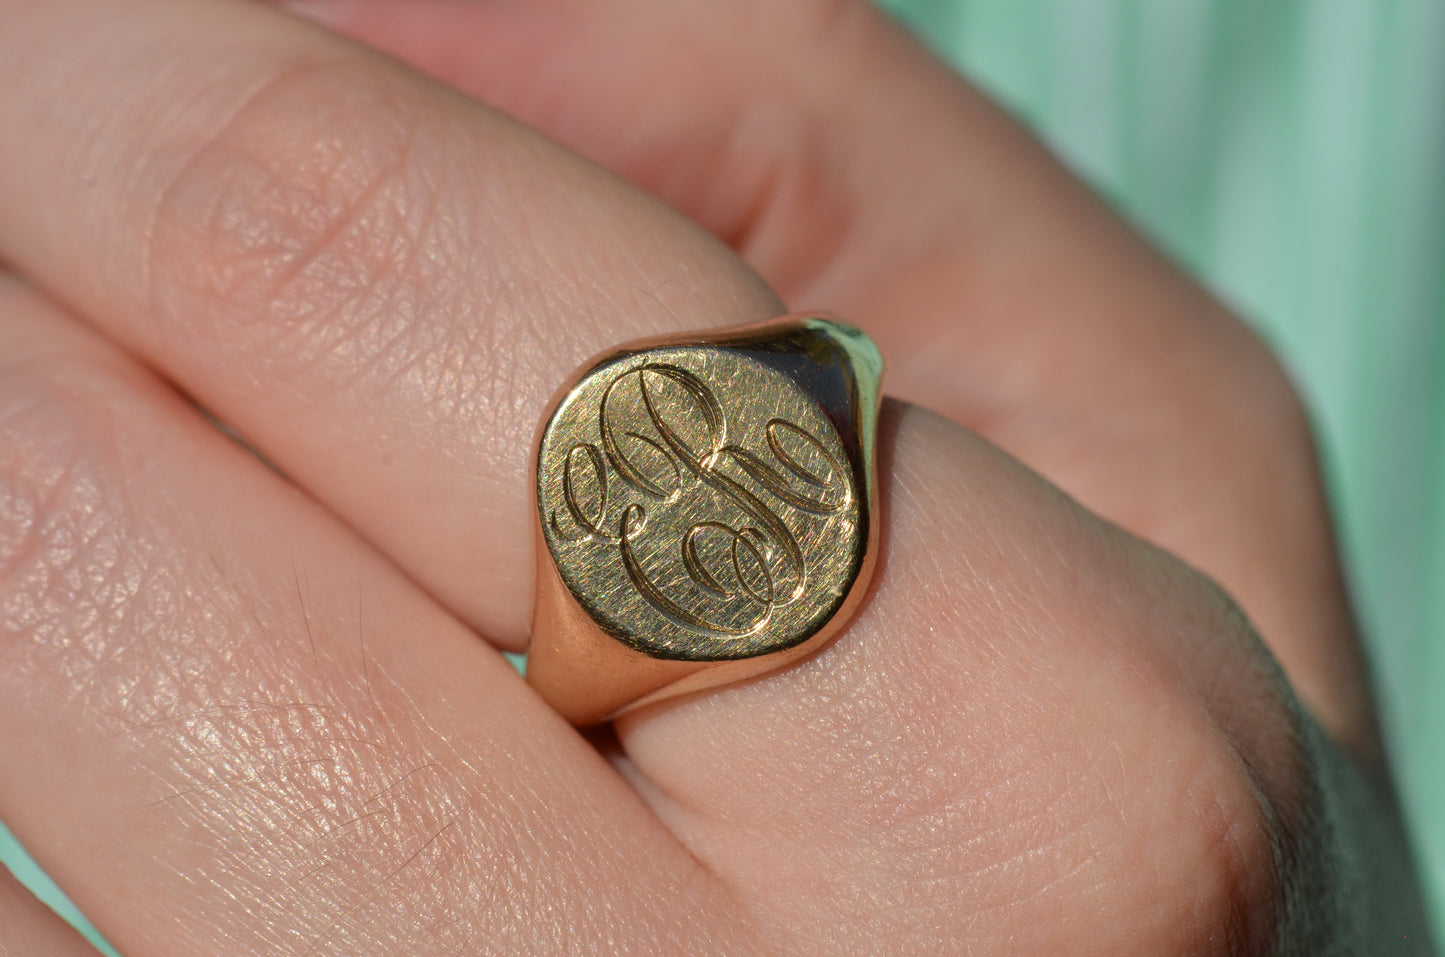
(32, 928)
(1105, 698)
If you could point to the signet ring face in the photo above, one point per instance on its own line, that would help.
(705, 511)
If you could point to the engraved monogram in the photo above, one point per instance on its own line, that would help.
(713, 536)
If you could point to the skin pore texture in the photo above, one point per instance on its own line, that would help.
(257, 709)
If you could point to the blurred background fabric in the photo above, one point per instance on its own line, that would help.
(1290, 153)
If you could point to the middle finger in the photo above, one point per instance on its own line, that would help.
(374, 280)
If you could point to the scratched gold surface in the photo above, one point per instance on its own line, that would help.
(700, 503)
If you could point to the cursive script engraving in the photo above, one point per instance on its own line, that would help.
(710, 512)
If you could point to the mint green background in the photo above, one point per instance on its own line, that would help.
(1292, 154)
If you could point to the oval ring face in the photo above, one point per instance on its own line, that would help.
(699, 504)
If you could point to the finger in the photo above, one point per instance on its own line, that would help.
(374, 281)
(1040, 736)
(28, 928)
(861, 872)
(855, 172)
(215, 700)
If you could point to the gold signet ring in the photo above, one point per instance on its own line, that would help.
(706, 512)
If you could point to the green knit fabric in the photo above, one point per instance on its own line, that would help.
(1292, 154)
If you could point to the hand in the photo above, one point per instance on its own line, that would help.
(260, 703)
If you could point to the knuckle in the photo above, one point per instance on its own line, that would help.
(1217, 749)
(1224, 790)
(303, 223)
(1227, 872)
